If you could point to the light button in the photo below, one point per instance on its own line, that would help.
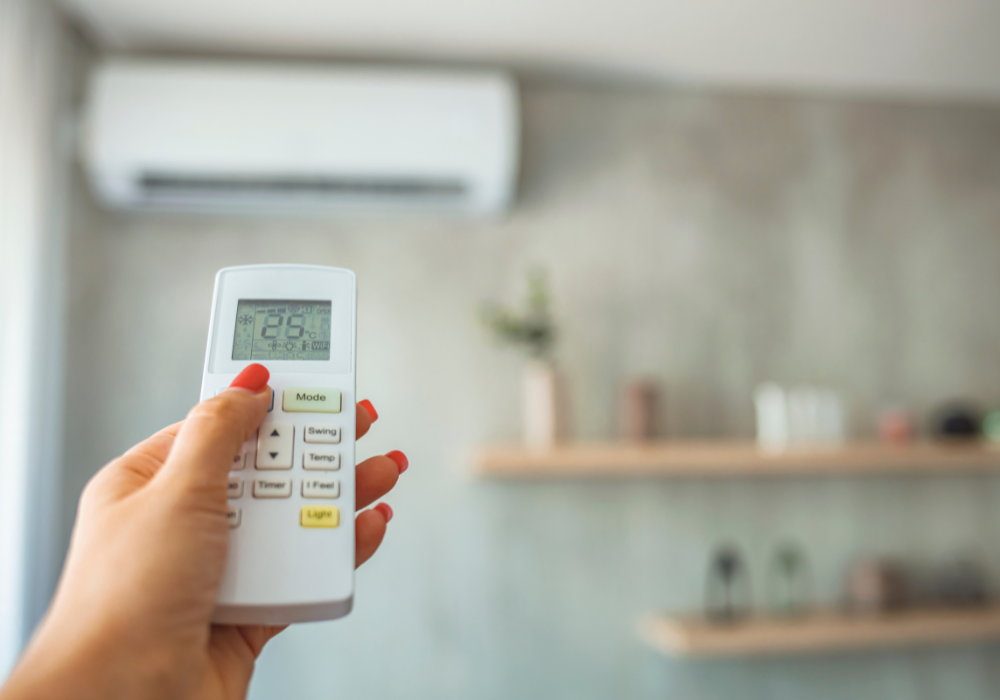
(311, 400)
(319, 516)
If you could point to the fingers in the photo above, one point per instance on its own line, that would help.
(374, 478)
(233, 651)
(366, 415)
(214, 431)
(369, 529)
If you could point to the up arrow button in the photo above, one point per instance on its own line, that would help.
(311, 400)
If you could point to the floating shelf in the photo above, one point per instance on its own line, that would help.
(817, 633)
(730, 459)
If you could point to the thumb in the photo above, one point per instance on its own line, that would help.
(214, 432)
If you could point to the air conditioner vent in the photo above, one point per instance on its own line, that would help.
(173, 186)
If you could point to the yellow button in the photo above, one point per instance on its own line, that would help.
(311, 400)
(319, 516)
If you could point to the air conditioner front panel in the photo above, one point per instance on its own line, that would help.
(371, 135)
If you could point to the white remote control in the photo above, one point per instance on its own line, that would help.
(291, 488)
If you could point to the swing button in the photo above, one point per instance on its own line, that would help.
(311, 400)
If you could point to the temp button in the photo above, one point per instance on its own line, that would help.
(311, 400)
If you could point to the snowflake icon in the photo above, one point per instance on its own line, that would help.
(246, 319)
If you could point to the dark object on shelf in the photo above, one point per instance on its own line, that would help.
(876, 585)
(727, 593)
(962, 584)
(639, 399)
(789, 581)
(958, 422)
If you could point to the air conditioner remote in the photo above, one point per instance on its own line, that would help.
(291, 487)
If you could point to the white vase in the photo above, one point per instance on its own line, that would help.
(544, 405)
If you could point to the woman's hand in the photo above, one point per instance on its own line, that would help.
(131, 618)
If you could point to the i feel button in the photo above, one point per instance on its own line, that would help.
(311, 400)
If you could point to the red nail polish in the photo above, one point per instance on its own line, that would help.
(253, 378)
(369, 409)
(400, 459)
(385, 510)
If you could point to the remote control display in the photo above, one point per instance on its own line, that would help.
(282, 329)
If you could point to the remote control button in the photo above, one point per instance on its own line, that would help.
(311, 400)
(235, 487)
(321, 459)
(274, 446)
(222, 389)
(319, 516)
(321, 488)
(328, 434)
(272, 488)
(233, 514)
(239, 461)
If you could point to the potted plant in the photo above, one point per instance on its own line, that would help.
(533, 332)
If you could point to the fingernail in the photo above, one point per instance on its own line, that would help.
(400, 459)
(253, 378)
(367, 405)
(385, 510)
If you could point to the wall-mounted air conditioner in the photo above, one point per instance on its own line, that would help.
(198, 136)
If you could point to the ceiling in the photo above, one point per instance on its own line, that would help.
(924, 48)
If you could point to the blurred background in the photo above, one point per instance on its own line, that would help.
(685, 314)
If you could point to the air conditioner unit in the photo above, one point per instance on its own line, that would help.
(235, 138)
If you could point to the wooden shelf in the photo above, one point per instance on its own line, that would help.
(817, 633)
(730, 459)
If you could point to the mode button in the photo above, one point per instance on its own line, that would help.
(311, 400)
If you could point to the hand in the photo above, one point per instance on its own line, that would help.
(131, 618)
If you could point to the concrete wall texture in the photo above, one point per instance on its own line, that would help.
(708, 240)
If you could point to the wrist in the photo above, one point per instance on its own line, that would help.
(73, 658)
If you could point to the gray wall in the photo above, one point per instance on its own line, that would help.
(709, 240)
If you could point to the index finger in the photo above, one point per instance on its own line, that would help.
(366, 415)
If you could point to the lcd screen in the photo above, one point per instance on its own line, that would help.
(282, 329)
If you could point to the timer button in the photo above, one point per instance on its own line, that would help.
(272, 488)
(311, 400)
